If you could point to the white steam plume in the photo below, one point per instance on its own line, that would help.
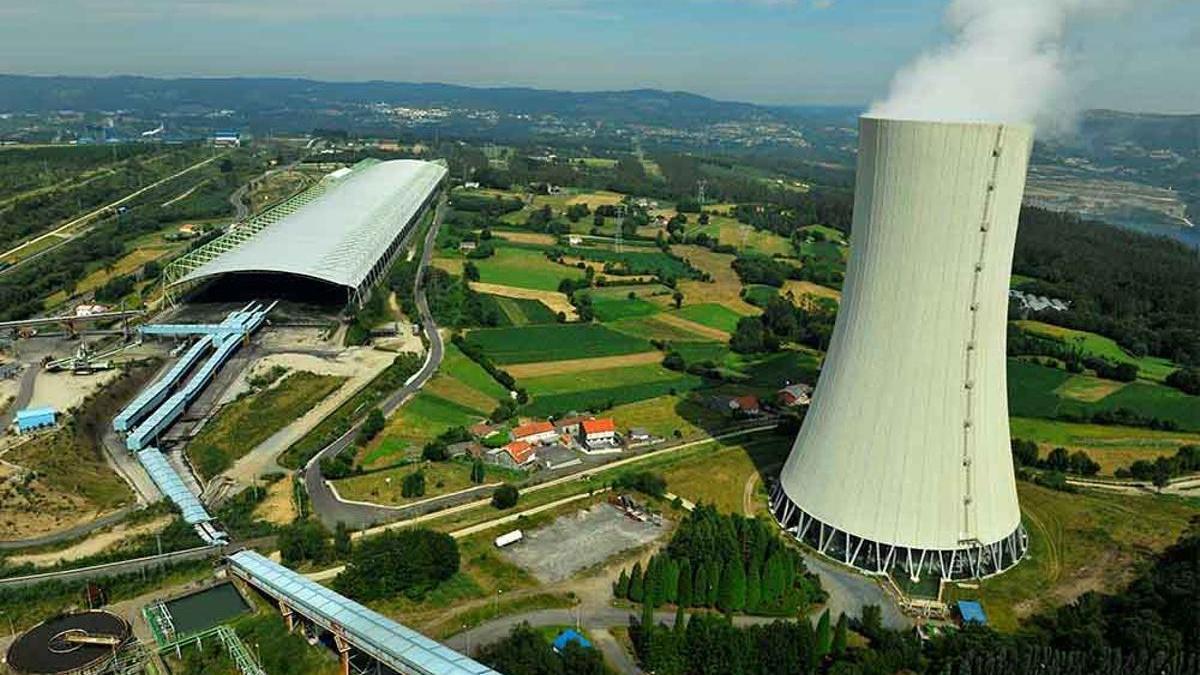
(1005, 64)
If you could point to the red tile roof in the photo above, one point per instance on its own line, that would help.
(532, 429)
(520, 451)
(747, 402)
(598, 426)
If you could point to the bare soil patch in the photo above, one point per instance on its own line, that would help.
(583, 365)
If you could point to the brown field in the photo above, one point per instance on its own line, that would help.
(452, 265)
(1087, 389)
(454, 390)
(693, 327)
(572, 261)
(538, 238)
(557, 302)
(725, 287)
(522, 370)
(802, 288)
(278, 507)
(594, 199)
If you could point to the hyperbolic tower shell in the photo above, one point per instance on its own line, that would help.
(903, 461)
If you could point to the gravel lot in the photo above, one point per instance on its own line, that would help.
(580, 540)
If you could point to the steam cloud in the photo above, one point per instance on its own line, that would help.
(1005, 64)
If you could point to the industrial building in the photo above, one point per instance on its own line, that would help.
(342, 233)
(903, 463)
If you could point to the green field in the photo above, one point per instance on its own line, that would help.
(383, 487)
(651, 261)
(648, 328)
(712, 315)
(759, 295)
(613, 396)
(524, 268)
(529, 344)
(1111, 446)
(697, 352)
(1036, 391)
(240, 426)
(562, 383)
(616, 308)
(419, 421)
(455, 364)
(522, 312)
(1149, 367)
(1078, 542)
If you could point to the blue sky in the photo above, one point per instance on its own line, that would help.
(771, 51)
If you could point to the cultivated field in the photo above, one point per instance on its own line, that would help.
(1149, 367)
(1112, 447)
(530, 344)
(523, 371)
(725, 287)
(556, 302)
(524, 268)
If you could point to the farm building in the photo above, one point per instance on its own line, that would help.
(795, 395)
(31, 419)
(340, 235)
(557, 456)
(568, 426)
(599, 434)
(535, 433)
(515, 455)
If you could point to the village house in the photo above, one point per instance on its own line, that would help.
(515, 455)
(599, 434)
(535, 433)
(795, 395)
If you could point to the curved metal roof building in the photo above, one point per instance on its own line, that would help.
(344, 231)
(903, 461)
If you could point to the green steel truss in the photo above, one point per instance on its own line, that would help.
(239, 233)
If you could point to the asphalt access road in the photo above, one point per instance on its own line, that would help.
(357, 516)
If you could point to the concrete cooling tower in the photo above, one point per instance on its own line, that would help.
(903, 462)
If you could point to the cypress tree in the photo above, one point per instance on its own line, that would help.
(680, 619)
(648, 619)
(653, 585)
(753, 590)
(670, 581)
(684, 596)
(725, 592)
(714, 583)
(621, 588)
(839, 635)
(700, 587)
(824, 635)
(636, 587)
(737, 585)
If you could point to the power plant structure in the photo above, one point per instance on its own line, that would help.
(903, 463)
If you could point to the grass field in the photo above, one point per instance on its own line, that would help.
(678, 320)
(1150, 368)
(383, 487)
(415, 424)
(712, 315)
(1034, 391)
(522, 312)
(560, 342)
(801, 289)
(524, 268)
(572, 381)
(662, 416)
(655, 328)
(240, 426)
(759, 295)
(455, 364)
(721, 477)
(1087, 388)
(607, 397)
(553, 300)
(1112, 447)
(544, 368)
(616, 308)
(725, 287)
(1090, 541)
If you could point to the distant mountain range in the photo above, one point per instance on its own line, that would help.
(19, 93)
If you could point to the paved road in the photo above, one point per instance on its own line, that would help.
(67, 534)
(357, 516)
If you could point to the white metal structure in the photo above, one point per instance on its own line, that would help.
(346, 230)
(903, 461)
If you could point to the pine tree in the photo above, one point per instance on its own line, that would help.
(680, 620)
(824, 635)
(753, 590)
(684, 596)
(637, 588)
(647, 617)
(700, 587)
(725, 594)
(652, 585)
(621, 588)
(839, 635)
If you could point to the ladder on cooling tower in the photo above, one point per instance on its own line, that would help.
(237, 650)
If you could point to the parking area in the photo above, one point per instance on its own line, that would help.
(580, 540)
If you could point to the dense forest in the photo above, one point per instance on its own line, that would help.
(1148, 628)
(407, 562)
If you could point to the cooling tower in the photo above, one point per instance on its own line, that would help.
(903, 461)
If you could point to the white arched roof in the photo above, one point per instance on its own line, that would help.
(339, 236)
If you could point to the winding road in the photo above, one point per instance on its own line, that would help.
(325, 504)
